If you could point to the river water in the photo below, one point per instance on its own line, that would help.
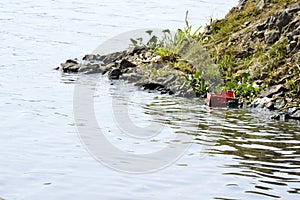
(233, 154)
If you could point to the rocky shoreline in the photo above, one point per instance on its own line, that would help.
(262, 39)
(136, 65)
(264, 44)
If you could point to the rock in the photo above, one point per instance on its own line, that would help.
(159, 87)
(70, 66)
(288, 116)
(276, 117)
(246, 24)
(272, 36)
(296, 33)
(292, 110)
(115, 74)
(294, 8)
(110, 58)
(285, 78)
(169, 79)
(108, 67)
(152, 86)
(131, 77)
(296, 115)
(91, 68)
(289, 37)
(264, 75)
(270, 105)
(261, 27)
(283, 19)
(241, 4)
(260, 5)
(279, 103)
(260, 102)
(136, 50)
(293, 25)
(126, 64)
(89, 57)
(273, 90)
(263, 102)
(270, 22)
(260, 34)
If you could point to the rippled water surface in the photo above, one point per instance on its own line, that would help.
(233, 154)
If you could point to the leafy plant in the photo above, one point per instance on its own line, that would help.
(197, 83)
(243, 89)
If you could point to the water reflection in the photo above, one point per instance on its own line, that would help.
(264, 151)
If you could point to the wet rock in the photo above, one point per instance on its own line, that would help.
(272, 36)
(283, 19)
(279, 103)
(131, 77)
(70, 66)
(152, 86)
(292, 110)
(270, 105)
(296, 115)
(90, 68)
(89, 57)
(126, 64)
(108, 67)
(273, 90)
(169, 79)
(115, 74)
(159, 87)
(276, 117)
(287, 115)
(260, 102)
(110, 58)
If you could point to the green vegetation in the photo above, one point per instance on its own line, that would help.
(197, 82)
(229, 55)
(245, 88)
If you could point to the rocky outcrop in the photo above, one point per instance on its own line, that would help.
(263, 38)
(136, 65)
